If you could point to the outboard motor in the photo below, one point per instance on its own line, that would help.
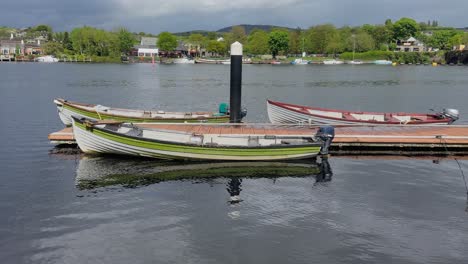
(243, 112)
(453, 114)
(326, 134)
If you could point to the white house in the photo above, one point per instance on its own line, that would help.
(410, 45)
(147, 47)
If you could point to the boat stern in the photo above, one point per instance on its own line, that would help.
(326, 134)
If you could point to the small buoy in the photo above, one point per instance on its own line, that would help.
(434, 64)
(394, 64)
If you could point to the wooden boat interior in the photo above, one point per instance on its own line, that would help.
(139, 113)
(364, 116)
(223, 135)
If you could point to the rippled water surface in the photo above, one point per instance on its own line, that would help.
(349, 210)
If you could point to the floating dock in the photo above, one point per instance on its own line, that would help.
(372, 140)
(62, 137)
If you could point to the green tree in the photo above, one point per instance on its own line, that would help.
(228, 40)
(66, 41)
(238, 33)
(167, 41)
(361, 42)
(382, 35)
(364, 42)
(319, 37)
(94, 42)
(5, 32)
(441, 39)
(198, 40)
(257, 42)
(278, 40)
(296, 41)
(43, 28)
(334, 45)
(81, 39)
(422, 26)
(369, 29)
(456, 39)
(405, 28)
(126, 40)
(211, 35)
(215, 46)
(52, 48)
(465, 39)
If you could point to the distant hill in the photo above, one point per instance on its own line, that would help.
(188, 33)
(248, 29)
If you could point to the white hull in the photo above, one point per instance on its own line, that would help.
(382, 62)
(184, 61)
(333, 62)
(280, 115)
(89, 142)
(65, 114)
(48, 59)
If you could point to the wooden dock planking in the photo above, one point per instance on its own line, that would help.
(359, 138)
(64, 136)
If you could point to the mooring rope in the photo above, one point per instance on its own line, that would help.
(444, 143)
(97, 112)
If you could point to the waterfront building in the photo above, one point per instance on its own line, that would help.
(410, 45)
(147, 48)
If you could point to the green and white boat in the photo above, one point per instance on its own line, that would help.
(67, 109)
(236, 142)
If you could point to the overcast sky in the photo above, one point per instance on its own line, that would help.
(154, 16)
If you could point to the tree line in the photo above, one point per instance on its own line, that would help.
(319, 39)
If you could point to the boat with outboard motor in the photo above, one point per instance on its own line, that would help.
(290, 113)
(236, 142)
(67, 109)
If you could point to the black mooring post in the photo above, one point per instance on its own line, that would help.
(236, 82)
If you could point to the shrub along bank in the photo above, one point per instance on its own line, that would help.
(399, 57)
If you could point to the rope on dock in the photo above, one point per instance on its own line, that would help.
(461, 170)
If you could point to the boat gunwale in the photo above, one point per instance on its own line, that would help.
(81, 106)
(303, 111)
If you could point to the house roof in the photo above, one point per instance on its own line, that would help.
(148, 41)
(411, 39)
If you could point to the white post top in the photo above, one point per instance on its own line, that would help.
(236, 48)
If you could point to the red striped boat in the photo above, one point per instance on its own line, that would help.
(289, 113)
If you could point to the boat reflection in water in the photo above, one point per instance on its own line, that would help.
(101, 172)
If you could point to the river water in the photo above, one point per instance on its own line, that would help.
(360, 210)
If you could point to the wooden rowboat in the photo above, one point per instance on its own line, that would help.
(236, 142)
(67, 109)
(281, 113)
